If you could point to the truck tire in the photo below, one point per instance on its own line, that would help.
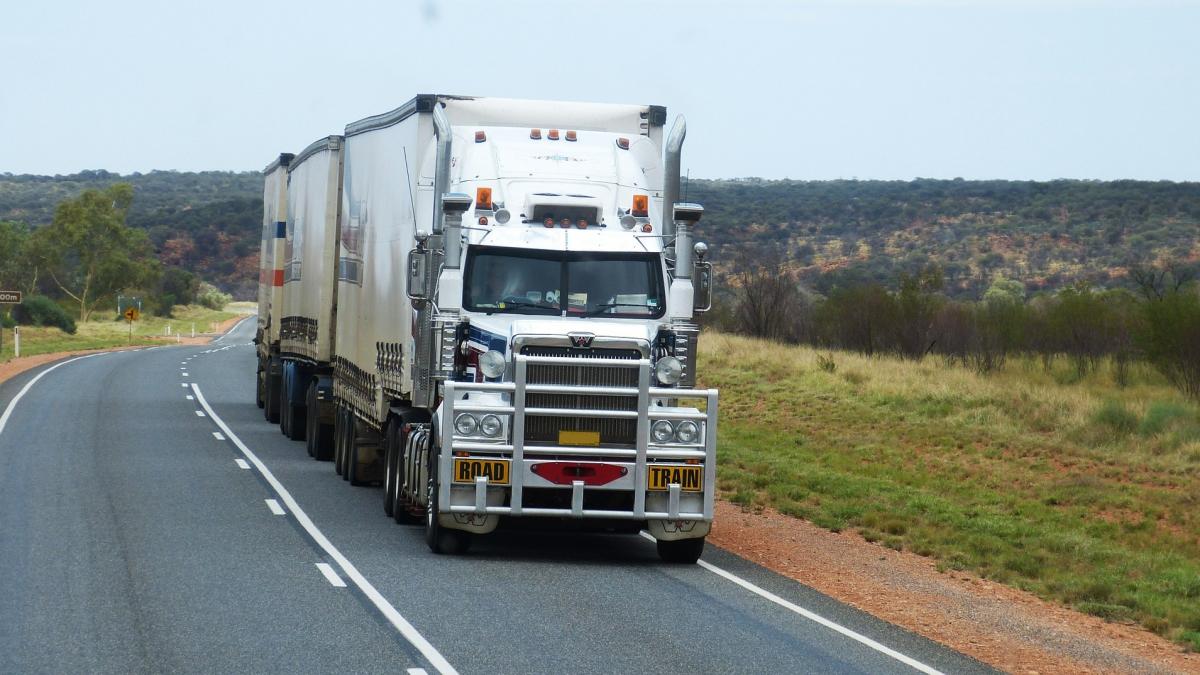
(318, 438)
(284, 408)
(271, 389)
(339, 438)
(390, 459)
(682, 551)
(297, 417)
(259, 376)
(441, 540)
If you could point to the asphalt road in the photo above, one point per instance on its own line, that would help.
(133, 540)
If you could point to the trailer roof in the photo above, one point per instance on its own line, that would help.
(285, 158)
(509, 112)
(320, 145)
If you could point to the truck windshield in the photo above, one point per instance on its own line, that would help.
(627, 285)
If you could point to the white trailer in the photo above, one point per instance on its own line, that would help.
(270, 286)
(514, 320)
(310, 254)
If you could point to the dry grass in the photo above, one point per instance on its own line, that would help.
(98, 334)
(1074, 488)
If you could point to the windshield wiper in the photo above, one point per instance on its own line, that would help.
(599, 309)
(517, 303)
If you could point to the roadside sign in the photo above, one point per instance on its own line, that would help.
(131, 314)
(10, 297)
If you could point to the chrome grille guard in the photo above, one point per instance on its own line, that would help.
(517, 449)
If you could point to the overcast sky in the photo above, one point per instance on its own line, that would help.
(814, 90)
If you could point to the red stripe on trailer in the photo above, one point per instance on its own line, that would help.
(278, 277)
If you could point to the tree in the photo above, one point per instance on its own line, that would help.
(90, 253)
(769, 303)
(15, 272)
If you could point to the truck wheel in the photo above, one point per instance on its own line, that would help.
(271, 396)
(684, 551)
(318, 438)
(400, 512)
(339, 432)
(297, 416)
(389, 466)
(285, 421)
(441, 540)
(258, 388)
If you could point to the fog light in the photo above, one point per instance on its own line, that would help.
(687, 432)
(662, 431)
(490, 426)
(668, 370)
(465, 424)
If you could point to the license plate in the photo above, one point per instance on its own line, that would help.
(689, 478)
(588, 438)
(467, 469)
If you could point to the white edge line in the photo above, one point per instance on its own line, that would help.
(331, 576)
(812, 616)
(351, 572)
(29, 385)
(275, 507)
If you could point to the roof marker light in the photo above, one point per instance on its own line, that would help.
(535, 134)
(480, 136)
(483, 220)
(483, 199)
(553, 134)
(548, 222)
(571, 136)
(647, 227)
(641, 206)
(623, 143)
(582, 224)
(565, 222)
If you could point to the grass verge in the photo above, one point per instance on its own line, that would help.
(1072, 488)
(107, 332)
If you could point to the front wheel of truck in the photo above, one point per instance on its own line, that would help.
(683, 551)
(441, 540)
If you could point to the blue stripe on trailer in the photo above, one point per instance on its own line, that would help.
(281, 230)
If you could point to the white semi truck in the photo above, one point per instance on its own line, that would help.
(488, 307)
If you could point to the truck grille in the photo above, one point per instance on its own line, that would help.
(544, 429)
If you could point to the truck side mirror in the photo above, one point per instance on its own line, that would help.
(418, 260)
(702, 286)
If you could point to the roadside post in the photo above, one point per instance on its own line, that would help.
(131, 308)
(11, 298)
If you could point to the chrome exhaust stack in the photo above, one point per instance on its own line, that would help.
(671, 162)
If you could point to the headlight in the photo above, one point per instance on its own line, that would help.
(687, 432)
(490, 426)
(668, 370)
(465, 424)
(662, 431)
(492, 364)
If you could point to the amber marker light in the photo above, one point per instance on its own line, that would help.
(641, 206)
(535, 134)
(480, 136)
(623, 143)
(483, 199)
(548, 222)
(582, 224)
(553, 135)
(571, 136)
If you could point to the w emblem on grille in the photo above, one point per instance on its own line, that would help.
(581, 340)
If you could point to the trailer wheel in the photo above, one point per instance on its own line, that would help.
(339, 434)
(318, 438)
(441, 540)
(271, 389)
(285, 419)
(684, 551)
(389, 466)
(297, 416)
(259, 400)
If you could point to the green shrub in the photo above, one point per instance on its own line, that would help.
(1114, 415)
(211, 297)
(38, 310)
(6, 321)
(1160, 416)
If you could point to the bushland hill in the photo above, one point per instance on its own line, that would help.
(1047, 235)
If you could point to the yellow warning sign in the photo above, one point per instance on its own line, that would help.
(131, 314)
